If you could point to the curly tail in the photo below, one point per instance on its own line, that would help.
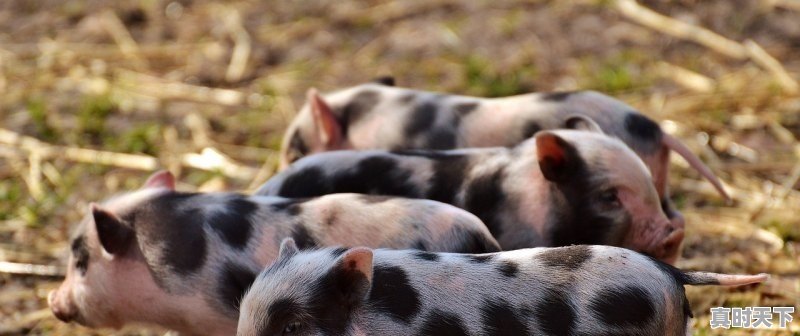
(678, 147)
(708, 278)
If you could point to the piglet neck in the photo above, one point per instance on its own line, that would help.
(152, 305)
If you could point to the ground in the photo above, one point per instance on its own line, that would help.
(166, 80)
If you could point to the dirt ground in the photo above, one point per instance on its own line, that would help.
(205, 89)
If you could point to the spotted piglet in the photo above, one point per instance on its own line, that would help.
(183, 260)
(559, 188)
(380, 116)
(575, 290)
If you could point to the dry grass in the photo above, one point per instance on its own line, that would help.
(205, 90)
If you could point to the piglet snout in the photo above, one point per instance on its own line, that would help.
(669, 249)
(60, 310)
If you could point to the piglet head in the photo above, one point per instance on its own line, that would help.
(315, 129)
(306, 292)
(107, 274)
(604, 194)
(100, 263)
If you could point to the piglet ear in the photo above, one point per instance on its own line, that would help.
(161, 179)
(558, 159)
(115, 236)
(582, 123)
(288, 248)
(328, 128)
(353, 274)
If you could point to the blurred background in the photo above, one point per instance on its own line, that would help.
(95, 95)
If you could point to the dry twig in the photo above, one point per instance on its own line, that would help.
(30, 269)
(163, 89)
(709, 39)
(241, 48)
(123, 38)
(762, 58)
(665, 24)
(44, 150)
(686, 78)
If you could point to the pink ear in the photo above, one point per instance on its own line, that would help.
(161, 179)
(549, 149)
(353, 275)
(358, 259)
(558, 160)
(328, 128)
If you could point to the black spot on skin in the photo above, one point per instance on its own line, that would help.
(338, 251)
(483, 198)
(530, 129)
(628, 306)
(234, 280)
(557, 96)
(331, 217)
(392, 293)
(422, 255)
(508, 268)
(293, 207)
(568, 257)
(441, 138)
(500, 319)
(419, 245)
(173, 222)
(481, 258)
(384, 80)
(374, 199)
(375, 175)
(448, 175)
(302, 238)
(80, 251)
(421, 119)
(361, 104)
(234, 224)
(407, 98)
(304, 182)
(554, 314)
(643, 129)
(463, 109)
(442, 323)
(333, 298)
(281, 312)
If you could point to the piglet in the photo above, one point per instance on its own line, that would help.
(575, 290)
(183, 260)
(559, 188)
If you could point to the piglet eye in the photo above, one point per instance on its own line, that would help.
(609, 197)
(291, 328)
